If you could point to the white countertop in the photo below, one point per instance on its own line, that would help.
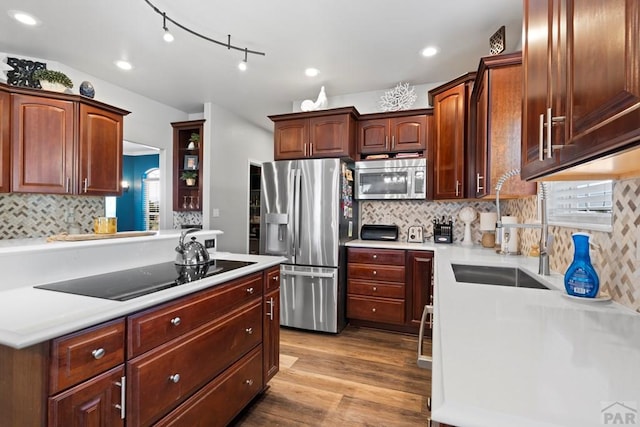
(507, 356)
(29, 316)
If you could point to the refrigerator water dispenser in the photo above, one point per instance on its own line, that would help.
(277, 233)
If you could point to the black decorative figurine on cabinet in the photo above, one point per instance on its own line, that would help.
(22, 73)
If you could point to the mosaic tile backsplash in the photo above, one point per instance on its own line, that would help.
(186, 218)
(25, 215)
(615, 260)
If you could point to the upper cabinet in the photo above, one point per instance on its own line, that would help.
(496, 105)
(187, 162)
(316, 134)
(582, 91)
(5, 141)
(452, 126)
(394, 132)
(64, 144)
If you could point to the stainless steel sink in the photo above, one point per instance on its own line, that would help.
(501, 276)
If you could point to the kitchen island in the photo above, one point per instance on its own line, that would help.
(167, 357)
(506, 356)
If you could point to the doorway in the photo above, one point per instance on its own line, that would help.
(255, 175)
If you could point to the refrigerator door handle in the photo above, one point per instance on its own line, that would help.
(292, 209)
(296, 214)
(331, 275)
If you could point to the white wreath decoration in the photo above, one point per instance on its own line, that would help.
(398, 98)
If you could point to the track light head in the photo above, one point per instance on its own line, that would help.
(168, 37)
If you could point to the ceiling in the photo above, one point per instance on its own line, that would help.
(358, 46)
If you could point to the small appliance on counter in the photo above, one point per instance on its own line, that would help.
(415, 235)
(379, 232)
(443, 230)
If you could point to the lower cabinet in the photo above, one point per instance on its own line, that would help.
(196, 360)
(388, 288)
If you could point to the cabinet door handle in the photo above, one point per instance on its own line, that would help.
(85, 184)
(375, 288)
(373, 309)
(541, 139)
(123, 397)
(270, 313)
(478, 186)
(457, 188)
(68, 185)
(175, 378)
(249, 331)
(375, 256)
(249, 382)
(386, 140)
(275, 278)
(250, 291)
(176, 321)
(549, 129)
(98, 353)
(311, 149)
(304, 150)
(393, 142)
(375, 272)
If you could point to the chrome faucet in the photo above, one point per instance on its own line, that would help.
(503, 230)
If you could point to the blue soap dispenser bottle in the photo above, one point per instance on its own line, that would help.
(581, 279)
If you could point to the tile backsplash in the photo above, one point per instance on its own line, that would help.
(615, 259)
(186, 218)
(25, 215)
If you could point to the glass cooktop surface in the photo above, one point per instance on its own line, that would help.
(135, 282)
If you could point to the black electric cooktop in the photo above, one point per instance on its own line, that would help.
(135, 282)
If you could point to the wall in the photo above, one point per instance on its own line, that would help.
(25, 215)
(616, 259)
(130, 206)
(235, 144)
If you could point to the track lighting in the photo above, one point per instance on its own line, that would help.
(168, 37)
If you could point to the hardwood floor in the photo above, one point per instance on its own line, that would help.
(361, 377)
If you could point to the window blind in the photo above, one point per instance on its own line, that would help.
(581, 204)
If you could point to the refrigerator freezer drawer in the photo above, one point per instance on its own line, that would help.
(309, 298)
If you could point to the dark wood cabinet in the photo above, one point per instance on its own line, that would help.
(94, 403)
(271, 328)
(388, 288)
(188, 149)
(496, 109)
(64, 144)
(179, 361)
(420, 282)
(582, 92)
(451, 135)
(5, 141)
(390, 133)
(318, 134)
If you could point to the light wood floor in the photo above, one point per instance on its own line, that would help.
(360, 377)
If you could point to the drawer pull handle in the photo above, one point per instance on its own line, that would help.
(98, 353)
(175, 378)
(250, 291)
(375, 256)
(375, 272)
(373, 309)
(276, 278)
(249, 382)
(249, 331)
(375, 288)
(176, 321)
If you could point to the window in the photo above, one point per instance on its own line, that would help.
(581, 204)
(151, 195)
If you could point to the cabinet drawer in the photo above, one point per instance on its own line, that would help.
(374, 289)
(212, 406)
(162, 378)
(381, 310)
(151, 328)
(376, 256)
(387, 273)
(81, 355)
(273, 279)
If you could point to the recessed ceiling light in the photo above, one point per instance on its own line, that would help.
(429, 51)
(311, 72)
(124, 65)
(24, 17)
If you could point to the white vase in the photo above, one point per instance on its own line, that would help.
(54, 87)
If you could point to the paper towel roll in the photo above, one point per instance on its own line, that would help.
(512, 244)
(488, 221)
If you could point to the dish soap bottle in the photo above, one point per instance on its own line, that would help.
(581, 279)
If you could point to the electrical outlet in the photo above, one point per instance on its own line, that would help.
(210, 243)
(215, 213)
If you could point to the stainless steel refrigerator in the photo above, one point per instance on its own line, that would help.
(307, 214)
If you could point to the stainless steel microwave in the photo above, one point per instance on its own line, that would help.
(391, 179)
